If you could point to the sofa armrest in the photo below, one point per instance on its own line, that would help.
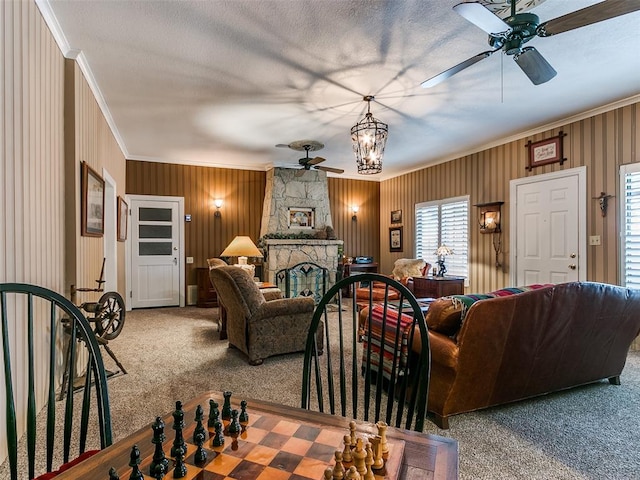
(444, 351)
(285, 306)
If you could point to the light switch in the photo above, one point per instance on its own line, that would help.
(189, 259)
(594, 240)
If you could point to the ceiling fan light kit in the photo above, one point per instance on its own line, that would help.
(368, 138)
(510, 34)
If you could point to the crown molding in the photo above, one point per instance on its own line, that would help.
(74, 54)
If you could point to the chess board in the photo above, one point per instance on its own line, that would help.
(269, 447)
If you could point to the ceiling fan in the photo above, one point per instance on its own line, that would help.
(514, 31)
(309, 163)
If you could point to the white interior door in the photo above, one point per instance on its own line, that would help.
(157, 265)
(549, 223)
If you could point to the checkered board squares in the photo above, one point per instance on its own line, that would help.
(268, 448)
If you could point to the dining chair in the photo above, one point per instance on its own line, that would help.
(38, 327)
(366, 369)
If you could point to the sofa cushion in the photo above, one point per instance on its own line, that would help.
(443, 316)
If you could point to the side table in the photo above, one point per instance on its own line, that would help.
(207, 296)
(436, 287)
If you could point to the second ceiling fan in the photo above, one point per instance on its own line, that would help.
(510, 34)
(308, 163)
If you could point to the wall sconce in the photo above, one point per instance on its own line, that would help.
(218, 203)
(354, 209)
(489, 217)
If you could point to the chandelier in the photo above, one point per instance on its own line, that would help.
(369, 137)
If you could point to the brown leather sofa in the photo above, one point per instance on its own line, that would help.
(520, 346)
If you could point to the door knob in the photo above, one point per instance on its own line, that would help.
(572, 266)
(573, 255)
(175, 248)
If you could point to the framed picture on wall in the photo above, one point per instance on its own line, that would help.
(396, 216)
(300, 217)
(395, 239)
(123, 213)
(544, 152)
(92, 216)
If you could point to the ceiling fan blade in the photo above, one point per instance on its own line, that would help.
(441, 77)
(315, 160)
(587, 16)
(481, 17)
(330, 169)
(534, 65)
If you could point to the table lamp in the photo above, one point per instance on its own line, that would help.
(442, 251)
(242, 247)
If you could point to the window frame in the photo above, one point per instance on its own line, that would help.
(439, 204)
(625, 170)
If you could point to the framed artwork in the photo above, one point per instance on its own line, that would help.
(544, 152)
(396, 216)
(395, 239)
(300, 217)
(123, 213)
(92, 216)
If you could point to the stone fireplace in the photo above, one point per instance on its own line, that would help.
(296, 204)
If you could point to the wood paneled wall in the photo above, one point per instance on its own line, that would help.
(360, 236)
(32, 232)
(242, 192)
(602, 143)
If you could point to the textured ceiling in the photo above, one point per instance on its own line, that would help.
(221, 82)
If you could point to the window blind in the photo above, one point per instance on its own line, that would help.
(630, 183)
(444, 222)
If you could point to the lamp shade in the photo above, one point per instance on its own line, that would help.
(241, 246)
(443, 250)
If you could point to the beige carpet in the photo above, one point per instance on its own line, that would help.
(586, 433)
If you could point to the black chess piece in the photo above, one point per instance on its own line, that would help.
(201, 454)
(134, 463)
(180, 469)
(226, 407)
(199, 427)
(158, 471)
(113, 475)
(158, 455)
(234, 426)
(244, 416)
(218, 438)
(214, 414)
(178, 425)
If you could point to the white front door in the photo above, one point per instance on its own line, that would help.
(156, 252)
(549, 228)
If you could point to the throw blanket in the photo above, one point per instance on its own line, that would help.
(465, 301)
(393, 338)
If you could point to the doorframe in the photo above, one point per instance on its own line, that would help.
(181, 245)
(581, 172)
(110, 246)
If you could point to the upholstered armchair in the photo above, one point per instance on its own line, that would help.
(258, 327)
(404, 269)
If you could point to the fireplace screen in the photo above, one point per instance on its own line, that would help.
(300, 217)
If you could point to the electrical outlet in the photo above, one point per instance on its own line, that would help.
(189, 259)
(594, 240)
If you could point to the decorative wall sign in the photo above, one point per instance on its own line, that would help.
(395, 239)
(92, 217)
(544, 152)
(300, 217)
(396, 216)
